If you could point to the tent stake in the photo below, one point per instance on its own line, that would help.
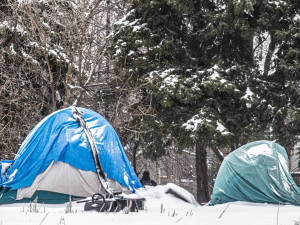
(224, 211)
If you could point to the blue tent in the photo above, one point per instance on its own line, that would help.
(56, 158)
(256, 172)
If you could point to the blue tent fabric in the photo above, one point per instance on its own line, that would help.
(59, 137)
(256, 172)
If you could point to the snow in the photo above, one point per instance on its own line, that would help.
(169, 80)
(186, 181)
(283, 162)
(199, 119)
(46, 25)
(193, 123)
(278, 3)
(131, 53)
(123, 19)
(214, 73)
(11, 47)
(126, 179)
(138, 42)
(261, 43)
(118, 51)
(34, 44)
(248, 94)
(262, 149)
(11, 176)
(20, 29)
(4, 166)
(125, 22)
(166, 72)
(221, 128)
(52, 52)
(160, 209)
(139, 27)
(4, 24)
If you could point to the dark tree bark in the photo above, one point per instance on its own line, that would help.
(201, 172)
(218, 154)
(269, 55)
(134, 153)
(288, 151)
(108, 30)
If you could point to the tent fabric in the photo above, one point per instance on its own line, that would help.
(9, 196)
(256, 172)
(60, 177)
(59, 138)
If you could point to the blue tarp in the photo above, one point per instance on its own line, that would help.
(59, 137)
(256, 172)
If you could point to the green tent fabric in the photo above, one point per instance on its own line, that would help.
(8, 196)
(256, 172)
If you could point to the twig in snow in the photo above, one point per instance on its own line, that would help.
(126, 210)
(69, 206)
(178, 220)
(278, 212)
(191, 213)
(297, 222)
(174, 213)
(44, 218)
(62, 221)
(224, 211)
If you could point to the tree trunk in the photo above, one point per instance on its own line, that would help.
(269, 55)
(288, 151)
(218, 154)
(134, 153)
(134, 159)
(42, 42)
(201, 172)
(108, 29)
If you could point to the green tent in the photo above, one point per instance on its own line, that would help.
(256, 172)
(8, 196)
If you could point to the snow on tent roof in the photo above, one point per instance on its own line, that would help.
(256, 172)
(59, 138)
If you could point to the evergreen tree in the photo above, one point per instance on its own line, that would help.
(199, 85)
(145, 43)
(219, 73)
(277, 58)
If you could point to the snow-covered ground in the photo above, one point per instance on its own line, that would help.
(160, 208)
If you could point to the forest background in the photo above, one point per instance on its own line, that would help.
(183, 82)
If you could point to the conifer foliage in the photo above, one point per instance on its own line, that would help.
(219, 73)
